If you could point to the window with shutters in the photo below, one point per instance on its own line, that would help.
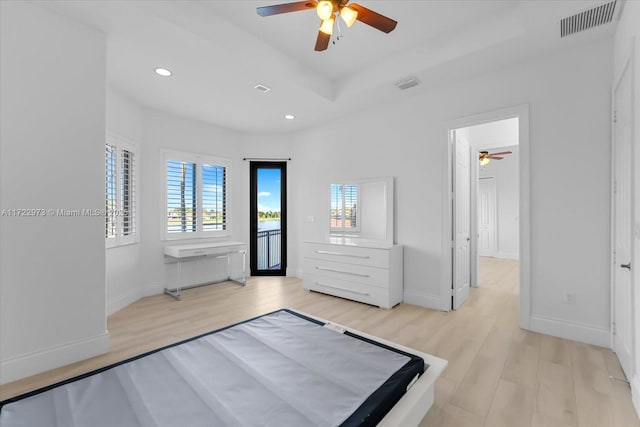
(345, 202)
(196, 195)
(120, 192)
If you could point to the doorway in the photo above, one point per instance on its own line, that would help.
(487, 217)
(457, 129)
(268, 218)
(622, 292)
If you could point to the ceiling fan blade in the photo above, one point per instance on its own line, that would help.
(322, 42)
(502, 152)
(374, 19)
(495, 157)
(286, 7)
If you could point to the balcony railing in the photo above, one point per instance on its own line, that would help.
(269, 249)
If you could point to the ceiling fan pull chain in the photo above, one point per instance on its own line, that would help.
(339, 32)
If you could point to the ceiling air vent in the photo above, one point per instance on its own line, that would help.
(407, 83)
(262, 88)
(588, 19)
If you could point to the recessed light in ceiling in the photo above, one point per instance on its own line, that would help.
(289, 116)
(163, 72)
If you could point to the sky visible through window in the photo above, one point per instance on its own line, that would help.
(269, 190)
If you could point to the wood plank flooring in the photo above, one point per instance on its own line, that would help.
(498, 375)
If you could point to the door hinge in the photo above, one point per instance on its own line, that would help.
(613, 328)
(615, 116)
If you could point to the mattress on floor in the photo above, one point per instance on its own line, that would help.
(279, 369)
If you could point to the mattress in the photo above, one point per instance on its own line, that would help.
(279, 369)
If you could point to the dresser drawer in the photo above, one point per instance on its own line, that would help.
(350, 290)
(371, 276)
(347, 254)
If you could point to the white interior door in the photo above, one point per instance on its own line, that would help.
(623, 314)
(487, 217)
(461, 221)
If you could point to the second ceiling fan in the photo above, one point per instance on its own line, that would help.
(485, 157)
(327, 10)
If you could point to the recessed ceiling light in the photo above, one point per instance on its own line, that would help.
(289, 116)
(163, 72)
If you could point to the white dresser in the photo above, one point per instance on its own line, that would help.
(365, 271)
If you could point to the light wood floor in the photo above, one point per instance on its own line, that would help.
(498, 375)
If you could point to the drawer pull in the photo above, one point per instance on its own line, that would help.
(342, 289)
(342, 254)
(333, 270)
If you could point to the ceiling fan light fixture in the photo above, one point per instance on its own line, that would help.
(484, 161)
(324, 10)
(327, 26)
(348, 15)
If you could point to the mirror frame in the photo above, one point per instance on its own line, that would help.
(388, 196)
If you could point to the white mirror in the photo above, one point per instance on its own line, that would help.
(362, 209)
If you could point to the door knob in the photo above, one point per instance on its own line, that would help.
(627, 265)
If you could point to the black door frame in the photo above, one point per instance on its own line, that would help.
(253, 217)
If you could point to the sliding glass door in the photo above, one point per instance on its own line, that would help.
(268, 216)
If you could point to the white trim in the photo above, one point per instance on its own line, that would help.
(570, 330)
(423, 300)
(131, 296)
(24, 365)
(629, 65)
(522, 112)
(123, 143)
(507, 255)
(635, 393)
(199, 160)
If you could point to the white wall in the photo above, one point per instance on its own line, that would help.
(123, 275)
(627, 40)
(568, 94)
(507, 177)
(164, 131)
(269, 146)
(52, 109)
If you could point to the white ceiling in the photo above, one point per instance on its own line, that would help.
(219, 50)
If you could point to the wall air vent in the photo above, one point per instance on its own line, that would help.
(598, 15)
(407, 83)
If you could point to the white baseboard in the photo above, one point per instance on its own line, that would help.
(423, 300)
(25, 365)
(122, 301)
(635, 393)
(507, 255)
(571, 330)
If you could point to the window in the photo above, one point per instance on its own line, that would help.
(120, 192)
(344, 207)
(196, 189)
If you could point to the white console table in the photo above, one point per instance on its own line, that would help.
(190, 252)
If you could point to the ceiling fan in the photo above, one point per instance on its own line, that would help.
(327, 10)
(486, 157)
